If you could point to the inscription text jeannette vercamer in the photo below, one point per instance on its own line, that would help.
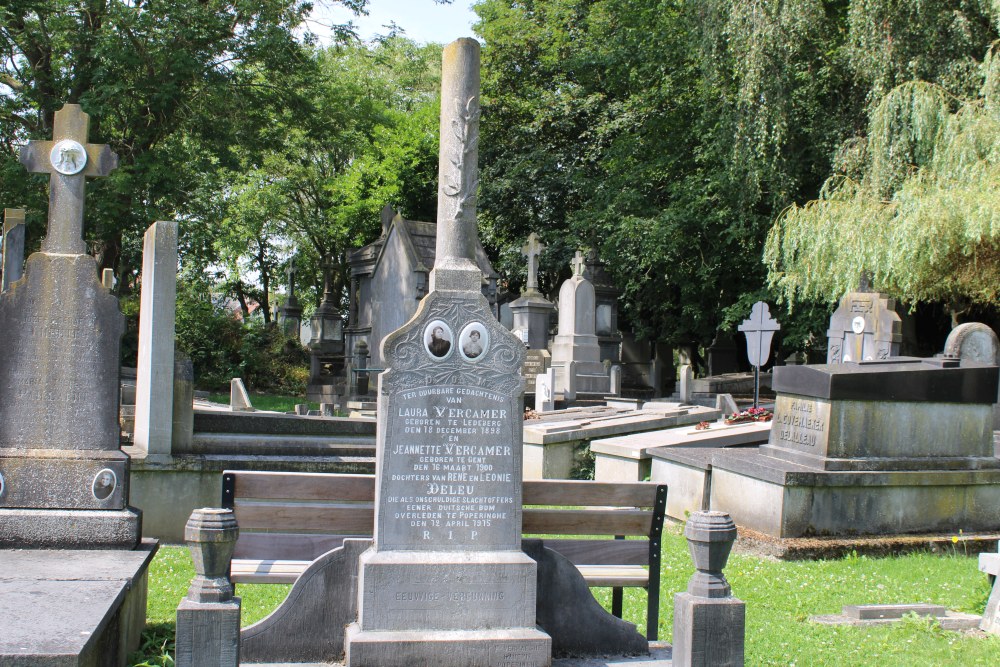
(450, 475)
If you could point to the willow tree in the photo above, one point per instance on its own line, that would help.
(916, 205)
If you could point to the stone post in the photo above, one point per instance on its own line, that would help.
(208, 619)
(154, 386)
(709, 623)
(687, 380)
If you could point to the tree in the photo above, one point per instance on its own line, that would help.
(663, 134)
(157, 78)
(913, 201)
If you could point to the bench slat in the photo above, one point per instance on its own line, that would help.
(614, 576)
(258, 571)
(287, 546)
(302, 517)
(601, 552)
(538, 521)
(305, 486)
(588, 494)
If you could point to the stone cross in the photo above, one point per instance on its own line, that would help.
(532, 250)
(327, 265)
(69, 160)
(578, 264)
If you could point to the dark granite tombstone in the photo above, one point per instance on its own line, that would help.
(65, 478)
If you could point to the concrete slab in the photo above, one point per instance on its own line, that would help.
(72, 607)
(628, 458)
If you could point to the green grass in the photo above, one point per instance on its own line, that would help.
(268, 402)
(780, 597)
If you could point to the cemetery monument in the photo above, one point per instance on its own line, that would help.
(532, 311)
(446, 582)
(65, 478)
(74, 581)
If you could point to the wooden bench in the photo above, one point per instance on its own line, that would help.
(287, 520)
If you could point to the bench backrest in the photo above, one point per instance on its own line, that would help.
(300, 516)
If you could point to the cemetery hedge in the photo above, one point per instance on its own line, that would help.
(780, 597)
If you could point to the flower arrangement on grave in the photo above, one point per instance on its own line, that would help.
(703, 426)
(750, 415)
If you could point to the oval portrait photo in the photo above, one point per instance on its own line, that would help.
(438, 339)
(474, 340)
(104, 484)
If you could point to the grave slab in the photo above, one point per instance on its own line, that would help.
(883, 614)
(630, 458)
(91, 604)
(554, 442)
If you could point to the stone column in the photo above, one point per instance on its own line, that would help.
(208, 619)
(709, 623)
(154, 392)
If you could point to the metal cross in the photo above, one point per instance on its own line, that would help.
(69, 160)
(532, 250)
(759, 330)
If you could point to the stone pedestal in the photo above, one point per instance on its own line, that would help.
(208, 619)
(532, 313)
(709, 623)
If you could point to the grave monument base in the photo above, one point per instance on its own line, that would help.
(524, 647)
(784, 499)
(70, 529)
(91, 604)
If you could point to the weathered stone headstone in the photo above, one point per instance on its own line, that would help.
(108, 279)
(576, 353)
(535, 363)
(65, 479)
(974, 341)
(532, 311)
(13, 247)
(154, 387)
(544, 393)
(865, 327)
(446, 582)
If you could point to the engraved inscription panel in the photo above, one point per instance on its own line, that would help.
(801, 424)
(449, 477)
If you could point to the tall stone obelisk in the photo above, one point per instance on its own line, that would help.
(446, 582)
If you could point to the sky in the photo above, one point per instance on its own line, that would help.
(423, 20)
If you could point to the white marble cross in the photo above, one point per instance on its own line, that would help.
(69, 160)
(532, 250)
(578, 264)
